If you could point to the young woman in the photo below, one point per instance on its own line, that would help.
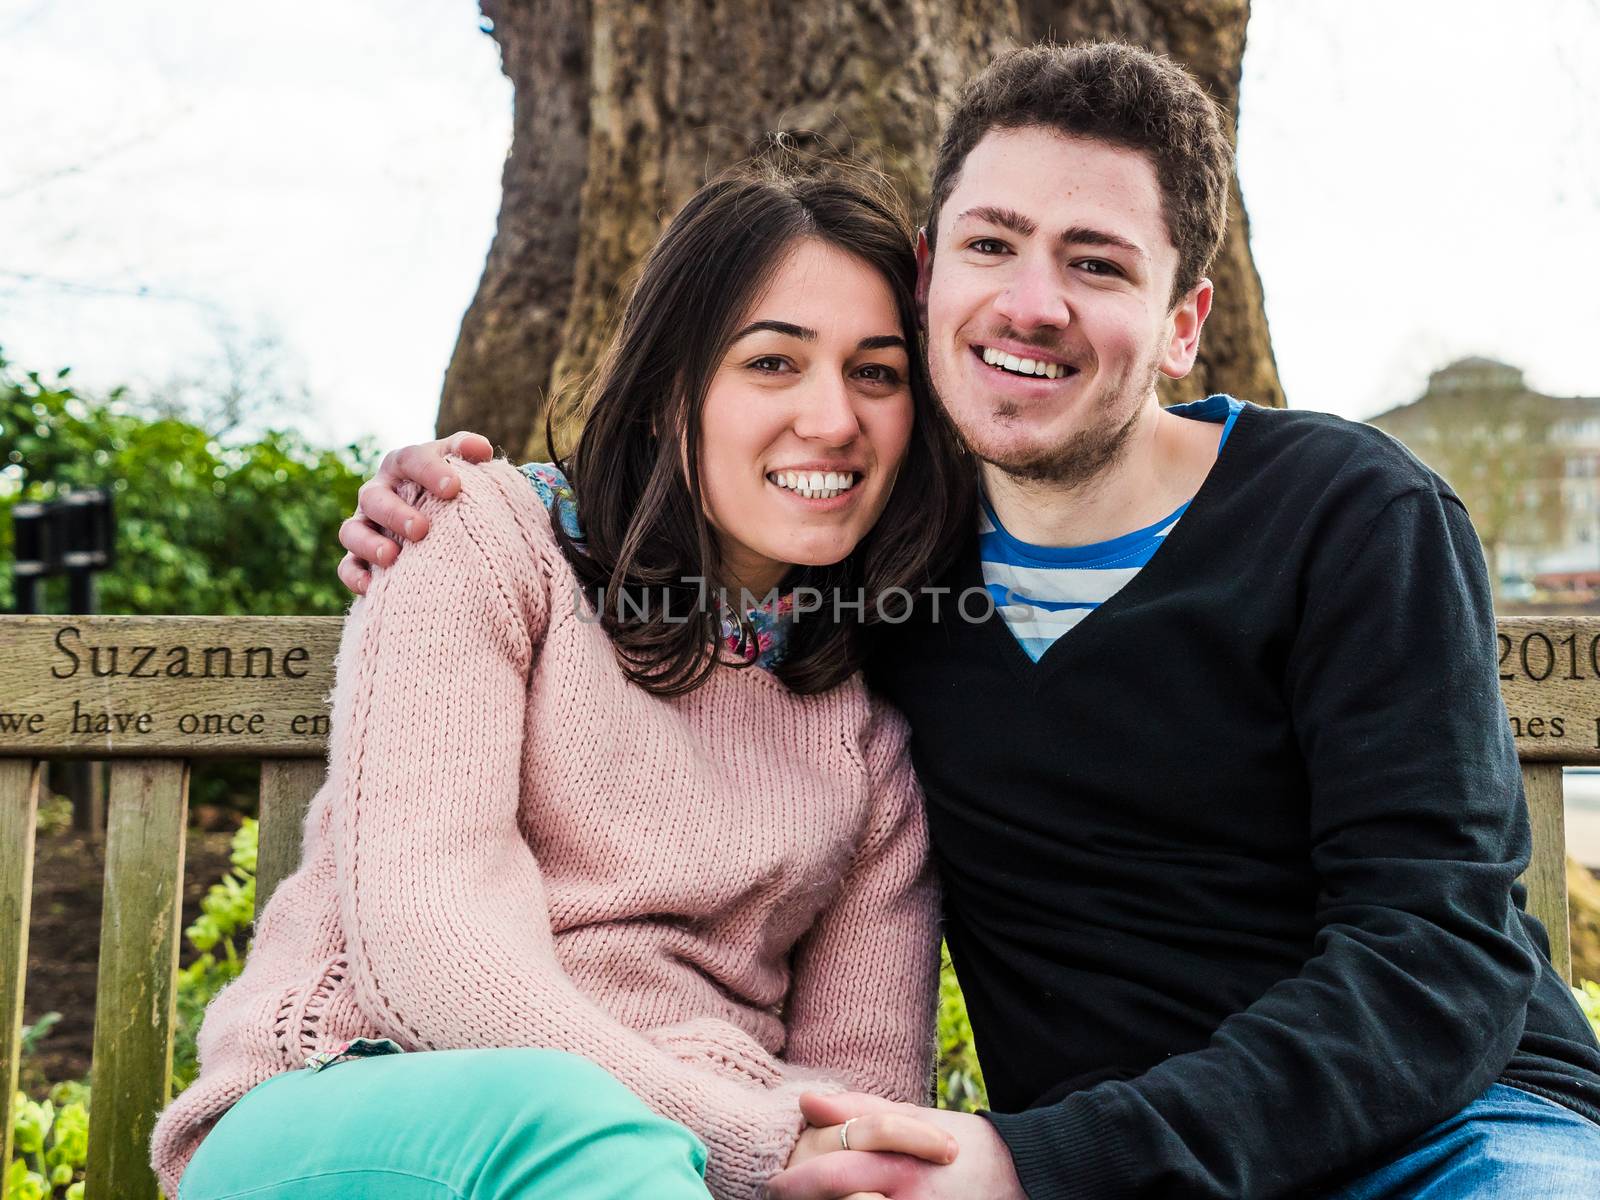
(606, 871)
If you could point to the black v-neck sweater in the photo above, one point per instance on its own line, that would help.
(1229, 873)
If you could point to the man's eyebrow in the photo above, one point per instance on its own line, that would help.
(1077, 235)
(1006, 218)
(1082, 235)
(783, 327)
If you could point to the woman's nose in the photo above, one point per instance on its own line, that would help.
(828, 414)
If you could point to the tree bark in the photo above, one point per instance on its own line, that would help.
(661, 95)
(499, 374)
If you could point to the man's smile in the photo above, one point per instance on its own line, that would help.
(1031, 368)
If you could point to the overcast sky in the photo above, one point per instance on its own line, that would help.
(1423, 182)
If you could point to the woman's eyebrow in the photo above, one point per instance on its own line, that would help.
(882, 341)
(783, 327)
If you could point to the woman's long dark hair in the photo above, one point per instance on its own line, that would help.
(645, 530)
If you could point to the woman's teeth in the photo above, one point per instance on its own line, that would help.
(1022, 366)
(815, 485)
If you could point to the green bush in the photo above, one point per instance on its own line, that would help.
(960, 1077)
(203, 527)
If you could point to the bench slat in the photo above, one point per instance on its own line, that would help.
(287, 786)
(1547, 872)
(135, 992)
(19, 808)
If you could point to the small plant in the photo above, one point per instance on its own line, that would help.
(51, 1143)
(960, 1077)
(226, 912)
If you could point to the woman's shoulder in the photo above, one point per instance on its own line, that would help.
(495, 516)
(497, 492)
(492, 538)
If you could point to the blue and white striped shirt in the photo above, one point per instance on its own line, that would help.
(1043, 591)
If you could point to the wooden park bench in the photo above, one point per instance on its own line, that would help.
(152, 694)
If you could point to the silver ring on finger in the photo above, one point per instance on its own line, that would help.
(844, 1135)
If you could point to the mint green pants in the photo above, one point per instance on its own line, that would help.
(446, 1125)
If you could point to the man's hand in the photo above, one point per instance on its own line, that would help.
(982, 1169)
(379, 508)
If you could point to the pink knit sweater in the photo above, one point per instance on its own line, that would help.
(721, 898)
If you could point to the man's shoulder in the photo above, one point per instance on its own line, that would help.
(1312, 452)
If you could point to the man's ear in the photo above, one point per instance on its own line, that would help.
(1187, 319)
(924, 273)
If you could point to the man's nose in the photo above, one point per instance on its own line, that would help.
(1034, 297)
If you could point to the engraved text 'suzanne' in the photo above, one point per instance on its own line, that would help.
(174, 662)
(108, 686)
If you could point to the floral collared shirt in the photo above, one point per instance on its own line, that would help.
(770, 622)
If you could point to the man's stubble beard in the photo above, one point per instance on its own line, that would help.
(1089, 452)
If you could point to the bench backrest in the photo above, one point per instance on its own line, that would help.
(152, 694)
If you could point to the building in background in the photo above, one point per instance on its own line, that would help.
(1526, 465)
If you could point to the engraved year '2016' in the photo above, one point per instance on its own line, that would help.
(1538, 657)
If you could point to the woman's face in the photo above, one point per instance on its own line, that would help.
(807, 418)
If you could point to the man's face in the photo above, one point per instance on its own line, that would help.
(1047, 300)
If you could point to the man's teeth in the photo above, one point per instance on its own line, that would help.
(1022, 366)
(815, 485)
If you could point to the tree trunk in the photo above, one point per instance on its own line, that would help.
(499, 375)
(623, 109)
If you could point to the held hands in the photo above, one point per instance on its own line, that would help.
(889, 1160)
(379, 509)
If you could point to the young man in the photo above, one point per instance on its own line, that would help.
(1228, 834)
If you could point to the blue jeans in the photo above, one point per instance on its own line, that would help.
(1506, 1145)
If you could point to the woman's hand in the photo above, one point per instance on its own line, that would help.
(380, 509)
(895, 1132)
(985, 1168)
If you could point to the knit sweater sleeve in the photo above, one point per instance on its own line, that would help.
(866, 975)
(1414, 997)
(442, 899)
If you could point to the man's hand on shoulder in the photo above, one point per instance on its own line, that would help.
(981, 1168)
(380, 508)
